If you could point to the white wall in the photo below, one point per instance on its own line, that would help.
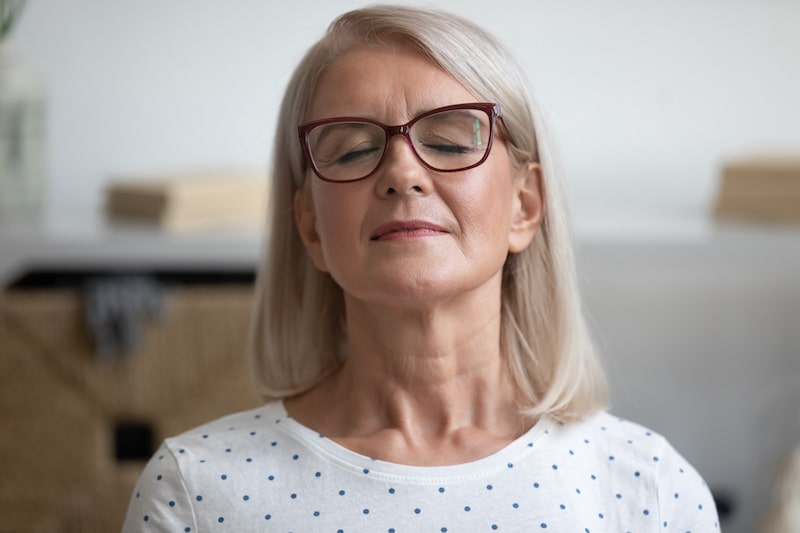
(646, 99)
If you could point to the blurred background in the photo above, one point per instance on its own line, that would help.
(696, 314)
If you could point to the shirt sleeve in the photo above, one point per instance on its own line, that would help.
(160, 502)
(684, 499)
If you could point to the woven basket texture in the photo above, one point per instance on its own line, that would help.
(60, 404)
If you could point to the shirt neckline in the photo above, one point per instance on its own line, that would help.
(505, 458)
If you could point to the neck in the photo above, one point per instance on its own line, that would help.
(418, 381)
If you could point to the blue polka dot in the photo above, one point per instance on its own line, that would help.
(316, 513)
(159, 477)
(515, 505)
(205, 436)
(555, 467)
(619, 496)
(677, 495)
(246, 497)
(562, 506)
(227, 450)
(391, 491)
(267, 517)
(199, 498)
(443, 530)
(295, 457)
(221, 519)
(543, 525)
(318, 474)
(223, 477)
(417, 510)
(172, 504)
(341, 493)
(249, 459)
(366, 470)
(655, 459)
(536, 485)
(187, 529)
(467, 508)
(271, 478)
(293, 496)
(646, 512)
(700, 507)
(510, 465)
(274, 443)
(637, 473)
(600, 515)
(146, 518)
(441, 489)
(489, 487)
(494, 526)
(365, 511)
(611, 457)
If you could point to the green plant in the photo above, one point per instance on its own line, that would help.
(10, 11)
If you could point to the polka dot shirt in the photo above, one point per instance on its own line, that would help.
(262, 471)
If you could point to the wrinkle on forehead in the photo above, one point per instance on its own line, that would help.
(373, 91)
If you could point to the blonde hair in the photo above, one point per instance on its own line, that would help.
(298, 328)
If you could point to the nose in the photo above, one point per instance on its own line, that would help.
(402, 173)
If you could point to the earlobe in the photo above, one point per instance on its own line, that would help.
(528, 207)
(305, 219)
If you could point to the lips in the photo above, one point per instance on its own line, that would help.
(408, 229)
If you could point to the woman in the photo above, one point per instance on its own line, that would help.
(418, 326)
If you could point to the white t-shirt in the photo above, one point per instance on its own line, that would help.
(262, 471)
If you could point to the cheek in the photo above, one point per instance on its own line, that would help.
(487, 205)
(338, 226)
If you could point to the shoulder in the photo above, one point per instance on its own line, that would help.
(629, 452)
(229, 427)
(616, 438)
(647, 473)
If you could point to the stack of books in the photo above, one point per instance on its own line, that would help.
(189, 201)
(766, 188)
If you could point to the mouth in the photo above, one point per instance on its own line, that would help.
(402, 230)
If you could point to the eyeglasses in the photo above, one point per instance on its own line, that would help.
(445, 139)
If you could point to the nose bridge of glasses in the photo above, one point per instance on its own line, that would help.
(403, 130)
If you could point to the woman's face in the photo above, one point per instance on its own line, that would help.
(407, 233)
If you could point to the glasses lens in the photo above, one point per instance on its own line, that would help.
(452, 140)
(346, 150)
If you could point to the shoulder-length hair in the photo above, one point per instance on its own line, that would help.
(298, 321)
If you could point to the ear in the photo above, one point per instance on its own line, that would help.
(527, 208)
(305, 217)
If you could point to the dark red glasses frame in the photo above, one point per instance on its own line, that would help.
(304, 130)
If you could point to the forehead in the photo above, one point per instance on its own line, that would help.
(386, 83)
